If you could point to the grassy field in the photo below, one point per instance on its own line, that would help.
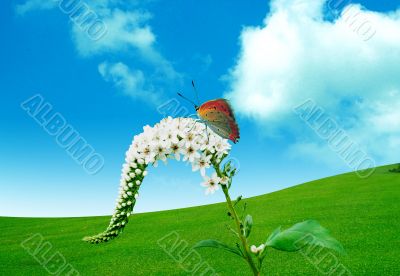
(363, 214)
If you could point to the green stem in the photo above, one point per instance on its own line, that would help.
(240, 232)
(243, 239)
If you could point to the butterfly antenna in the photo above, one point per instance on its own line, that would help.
(190, 101)
(195, 92)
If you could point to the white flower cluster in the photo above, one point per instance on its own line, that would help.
(178, 138)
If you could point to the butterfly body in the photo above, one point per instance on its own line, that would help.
(218, 115)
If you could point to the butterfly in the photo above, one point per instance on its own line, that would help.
(218, 116)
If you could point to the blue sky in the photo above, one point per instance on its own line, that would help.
(265, 57)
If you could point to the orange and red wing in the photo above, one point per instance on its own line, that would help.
(219, 117)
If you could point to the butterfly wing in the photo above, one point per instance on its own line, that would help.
(222, 129)
(218, 115)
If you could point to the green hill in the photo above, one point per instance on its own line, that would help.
(363, 214)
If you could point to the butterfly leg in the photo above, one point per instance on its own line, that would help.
(191, 115)
(195, 119)
(194, 124)
(208, 136)
(205, 123)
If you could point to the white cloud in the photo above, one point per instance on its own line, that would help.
(131, 82)
(349, 66)
(30, 5)
(128, 33)
(126, 30)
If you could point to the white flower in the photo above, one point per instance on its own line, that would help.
(166, 121)
(170, 136)
(148, 154)
(144, 173)
(224, 180)
(199, 128)
(138, 182)
(209, 143)
(222, 146)
(188, 139)
(201, 164)
(257, 250)
(161, 151)
(125, 169)
(147, 129)
(175, 150)
(211, 183)
(190, 153)
(138, 171)
(157, 137)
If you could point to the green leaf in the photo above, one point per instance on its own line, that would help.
(243, 211)
(219, 245)
(276, 232)
(238, 199)
(309, 232)
(248, 223)
(227, 166)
